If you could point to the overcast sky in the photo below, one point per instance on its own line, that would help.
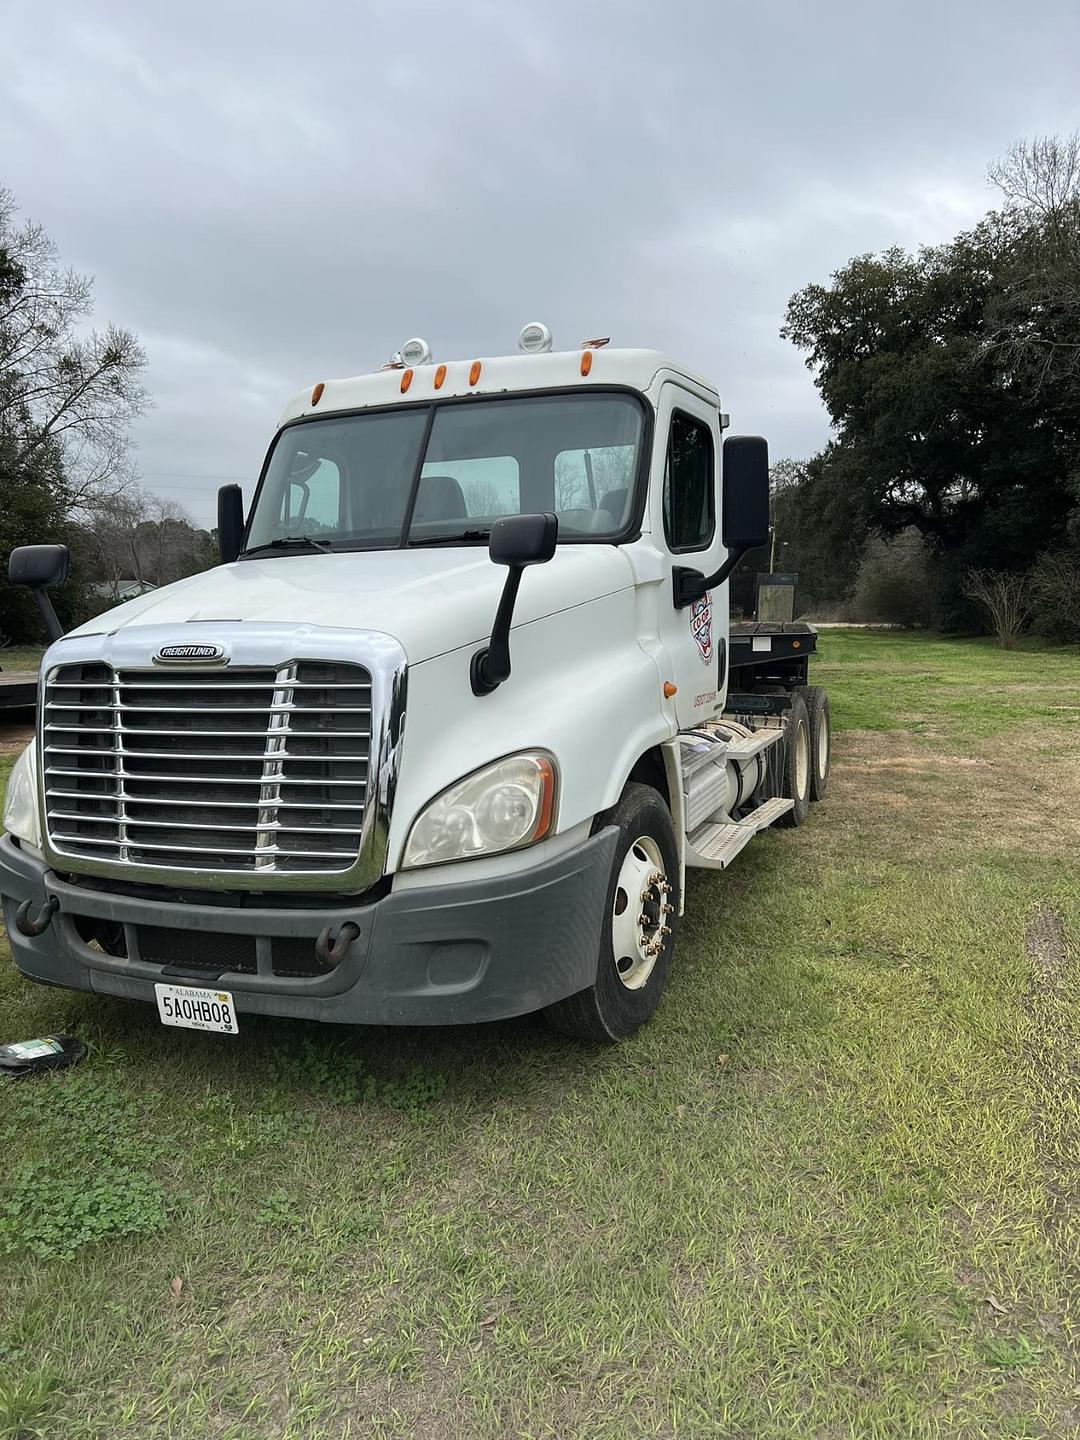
(271, 195)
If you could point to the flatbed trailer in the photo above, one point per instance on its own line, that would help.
(17, 691)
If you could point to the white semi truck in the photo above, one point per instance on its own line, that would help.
(437, 740)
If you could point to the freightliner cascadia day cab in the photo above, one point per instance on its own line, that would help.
(438, 739)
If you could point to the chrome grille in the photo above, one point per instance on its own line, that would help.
(256, 771)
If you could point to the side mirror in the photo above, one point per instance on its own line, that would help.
(230, 522)
(516, 541)
(523, 539)
(745, 522)
(40, 566)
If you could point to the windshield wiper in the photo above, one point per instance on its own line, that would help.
(290, 542)
(454, 539)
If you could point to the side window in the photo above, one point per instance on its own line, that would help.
(689, 485)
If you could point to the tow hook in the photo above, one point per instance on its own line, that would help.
(41, 921)
(331, 950)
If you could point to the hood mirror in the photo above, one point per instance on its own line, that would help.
(516, 541)
(40, 566)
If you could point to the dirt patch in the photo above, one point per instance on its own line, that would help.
(1053, 1055)
(1044, 944)
(1006, 794)
(15, 735)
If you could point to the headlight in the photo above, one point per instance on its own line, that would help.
(505, 806)
(20, 801)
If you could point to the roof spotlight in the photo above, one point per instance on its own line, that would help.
(535, 338)
(416, 351)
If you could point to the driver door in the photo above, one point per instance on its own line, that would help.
(686, 527)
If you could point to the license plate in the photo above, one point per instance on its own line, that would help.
(196, 1009)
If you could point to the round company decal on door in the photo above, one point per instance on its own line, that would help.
(701, 626)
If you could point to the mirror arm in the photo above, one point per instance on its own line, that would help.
(690, 585)
(491, 665)
(51, 620)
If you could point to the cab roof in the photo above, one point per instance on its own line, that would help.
(642, 370)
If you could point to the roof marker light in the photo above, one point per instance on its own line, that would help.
(474, 373)
(535, 338)
(316, 392)
(415, 351)
(586, 361)
(406, 380)
(440, 376)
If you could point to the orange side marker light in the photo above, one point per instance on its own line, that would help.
(316, 392)
(586, 361)
(474, 373)
(406, 380)
(670, 689)
(440, 377)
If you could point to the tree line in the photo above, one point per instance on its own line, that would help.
(68, 395)
(949, 493)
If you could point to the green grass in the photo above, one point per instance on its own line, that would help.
(21, 657)
(962, 690)
(780, 1211)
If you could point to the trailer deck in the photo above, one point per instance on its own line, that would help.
(17, 690)
(768, 653)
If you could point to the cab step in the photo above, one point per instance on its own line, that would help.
(713, 845)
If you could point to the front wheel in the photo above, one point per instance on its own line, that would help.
(640, 920)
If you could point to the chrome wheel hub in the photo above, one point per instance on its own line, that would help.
(640, 912)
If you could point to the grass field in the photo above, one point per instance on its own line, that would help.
(21, 658)
(831, 1191)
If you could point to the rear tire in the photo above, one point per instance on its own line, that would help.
(817, 705)
(638, 935)
(797, 762)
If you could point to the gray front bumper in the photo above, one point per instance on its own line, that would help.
(443, 955)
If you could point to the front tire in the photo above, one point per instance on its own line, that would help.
(640, 920)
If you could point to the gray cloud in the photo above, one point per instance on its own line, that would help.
(270, 194)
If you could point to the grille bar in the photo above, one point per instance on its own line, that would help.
(89, 750)
(203, 850)
(134, 732)
(202, 804)
(214, 710)
(195, 779)
(84, 817)
(152, 682)
(304, 786)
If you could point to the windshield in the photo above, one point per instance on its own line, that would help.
(442, 473)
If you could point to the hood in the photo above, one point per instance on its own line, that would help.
(430, 601)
